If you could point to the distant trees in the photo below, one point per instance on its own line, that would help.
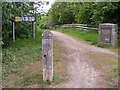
(85, 12)
(59, 13)
(44, 22)
(106, 12)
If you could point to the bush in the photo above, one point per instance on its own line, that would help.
(22, 29)
(44, 22)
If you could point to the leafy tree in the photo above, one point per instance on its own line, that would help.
(54, 14)
(106, 12)
(61, 13)
(22, 29)
(44, 22)
(85, 12)
(66, 14)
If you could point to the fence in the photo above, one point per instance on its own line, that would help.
(80, 26)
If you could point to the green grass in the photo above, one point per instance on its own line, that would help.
(22, 64)
(21, 52)
(36, 78)
(88, 35)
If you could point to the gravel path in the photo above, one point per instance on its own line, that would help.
(80, 69)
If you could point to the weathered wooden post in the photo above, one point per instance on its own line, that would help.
(47, 55)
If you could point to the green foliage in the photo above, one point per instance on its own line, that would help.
(22, 29)
(54, 14)
(85, 12)
(1, 42)
(105, 12)
(44, 22)
(36, 78)
(66, 15)
(21, 52)
(61, 13)
(23, 60)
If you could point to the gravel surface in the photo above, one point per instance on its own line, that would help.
(80, 69)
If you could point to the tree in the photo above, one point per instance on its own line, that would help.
(44, 22)
(85, 12)
(61, 13)
(106, 12)
(22, 29)
(66, 14)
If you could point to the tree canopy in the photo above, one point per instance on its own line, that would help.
(60, 13)
(85, 12)
(22, 29)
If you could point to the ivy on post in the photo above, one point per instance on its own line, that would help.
(47, 55)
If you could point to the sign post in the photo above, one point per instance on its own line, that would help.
(16, 19)
(36, 20)
(33, 30)
(13, 32)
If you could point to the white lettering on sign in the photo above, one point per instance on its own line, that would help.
(24, 18)
(33, 19)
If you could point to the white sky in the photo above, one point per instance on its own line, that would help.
(45, 7)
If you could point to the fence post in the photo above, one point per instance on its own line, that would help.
(47, 55)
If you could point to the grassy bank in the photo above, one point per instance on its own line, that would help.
(90, 36)
(22, 64)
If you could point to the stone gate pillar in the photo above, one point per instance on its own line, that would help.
(108, 34)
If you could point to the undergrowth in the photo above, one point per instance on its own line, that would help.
(22, 64)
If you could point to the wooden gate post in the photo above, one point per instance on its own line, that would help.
(47, 55)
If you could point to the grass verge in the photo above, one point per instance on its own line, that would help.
(88, 35)
(22, 64)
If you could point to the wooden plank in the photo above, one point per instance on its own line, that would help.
(82, 26)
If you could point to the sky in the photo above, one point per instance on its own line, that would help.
(45, 6)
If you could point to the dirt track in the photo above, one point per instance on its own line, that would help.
(80, 68)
